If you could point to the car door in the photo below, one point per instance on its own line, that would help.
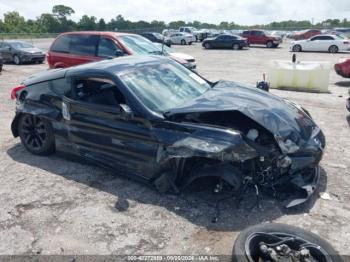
(312, 44)
(102, 132)
(5, 50)
(219, 42)
(107, 48)
(327, 41)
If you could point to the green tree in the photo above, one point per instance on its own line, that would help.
(101, 25)
(62, 11)
(13, 22)
(87, 23)
(49, 23)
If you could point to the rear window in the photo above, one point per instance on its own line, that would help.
(83, 44)
(61, 44)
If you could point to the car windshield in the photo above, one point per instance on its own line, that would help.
(139, 45)
(21, 45)
(163, 86)
(159, 36)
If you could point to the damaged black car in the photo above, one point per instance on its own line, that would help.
(150, 118)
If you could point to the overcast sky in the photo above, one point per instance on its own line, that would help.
(246, 12)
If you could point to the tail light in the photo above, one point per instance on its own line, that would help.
(15, 90)
(345, 42)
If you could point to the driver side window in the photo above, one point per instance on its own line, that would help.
(99, 91)
(107, 48)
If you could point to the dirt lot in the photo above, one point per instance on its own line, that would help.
(51, 205)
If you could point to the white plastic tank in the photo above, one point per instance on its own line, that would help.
(299, 76)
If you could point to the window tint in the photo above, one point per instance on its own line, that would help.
(83, 44)
(107, 48)
(257, 33)
(187, 30)
(181, 29)
(61, 44)
(60, 86)
(100, 91)
(316, 38)
(246, 32)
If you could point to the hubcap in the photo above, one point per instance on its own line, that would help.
(283, 247)
(34, 132)
(16, 60)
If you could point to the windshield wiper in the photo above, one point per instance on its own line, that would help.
(156, 52)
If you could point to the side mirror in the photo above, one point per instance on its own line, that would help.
(126, 112)
(118, 53)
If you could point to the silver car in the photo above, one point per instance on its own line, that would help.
(20, 52)
(182, 38)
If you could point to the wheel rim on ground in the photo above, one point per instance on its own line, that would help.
(34, 132)
(183, 42)
(207, 45)
(261, 246)
(235, 46)
(269, 44)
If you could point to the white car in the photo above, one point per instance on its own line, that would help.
(182, 38)
(323, 43)
(191, 61)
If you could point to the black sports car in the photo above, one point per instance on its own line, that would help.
(235, 42)
(156, 120)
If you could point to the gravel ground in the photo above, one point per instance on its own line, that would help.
(53, 205)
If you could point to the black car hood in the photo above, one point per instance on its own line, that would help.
(279, 116)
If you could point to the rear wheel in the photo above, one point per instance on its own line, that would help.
(16, 59)
(183, 42)
(333, 49)
(235, 46)
(297, 48)
(36, 134)
(278, 242)
(269, 44)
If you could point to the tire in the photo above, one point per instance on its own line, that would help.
(190, 43)
(207, 46)
(0, 68)
(236, 47)
(297, 48)
(196, 38)
(183, 42)
(16, 60)
(269, 44)
(239, 248)
(333, 49)
(36, 134)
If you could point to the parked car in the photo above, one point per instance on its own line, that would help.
(191, 30)
(225, 41)
(156, 38)
(1, 63)
(182, 38)
(191, 61)
(155, 120)
(321, 43)
(20, 52)
(259, 37)
(74, 48)
(305, 34)
(343, 67)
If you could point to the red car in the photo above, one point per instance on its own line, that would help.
(306, 34)
(74, 48)
(260, 37)
(343, 68)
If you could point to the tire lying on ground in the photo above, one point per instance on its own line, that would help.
(265, 243)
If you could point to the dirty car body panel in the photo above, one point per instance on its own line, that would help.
(235, 133)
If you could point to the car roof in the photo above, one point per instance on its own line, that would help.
(109, 65)
(101, 33)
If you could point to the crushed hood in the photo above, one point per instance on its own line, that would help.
(282, 118)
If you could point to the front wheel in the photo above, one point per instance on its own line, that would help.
(183, 42)
(207, 46)
(279, 242)
(297, 48)
(269, 44)
(16, 60)
(36, 134)
(333, 49)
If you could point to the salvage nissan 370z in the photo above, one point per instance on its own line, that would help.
(151, 118)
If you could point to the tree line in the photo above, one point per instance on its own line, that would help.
(59, 21)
